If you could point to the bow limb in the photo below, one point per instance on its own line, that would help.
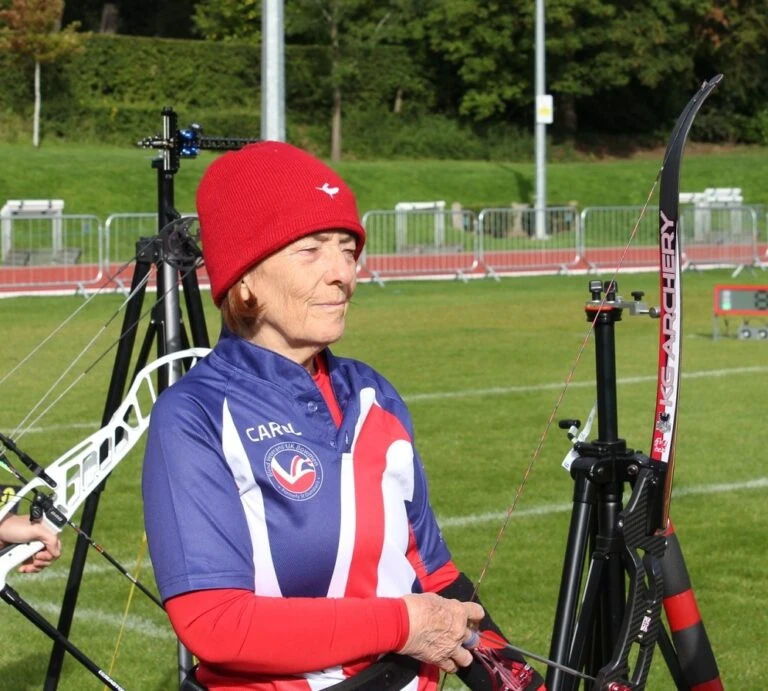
(670, 328)
(698, 663)
(79, 471)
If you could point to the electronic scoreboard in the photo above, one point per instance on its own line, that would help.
(743, 301)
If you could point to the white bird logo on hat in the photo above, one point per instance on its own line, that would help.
(330, 191)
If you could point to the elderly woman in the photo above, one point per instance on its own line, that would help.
(286, 508)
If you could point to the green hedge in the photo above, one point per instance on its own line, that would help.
(114, 91)
(116, 88)
(129, 123)
(121, 69)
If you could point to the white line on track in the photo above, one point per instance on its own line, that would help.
(133, 624)
(503, 390)
(546, 509)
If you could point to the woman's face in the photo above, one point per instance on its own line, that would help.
(304, 291)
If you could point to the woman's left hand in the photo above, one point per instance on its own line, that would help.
(439, 628)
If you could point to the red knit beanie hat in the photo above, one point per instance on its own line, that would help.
(255, 201)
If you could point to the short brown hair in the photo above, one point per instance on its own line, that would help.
(240, 314)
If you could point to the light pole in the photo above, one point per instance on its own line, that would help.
(543, 118)
(272, 70)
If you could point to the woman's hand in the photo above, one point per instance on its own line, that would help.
(19, 529)
(438, 629)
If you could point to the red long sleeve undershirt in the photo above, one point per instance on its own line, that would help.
(249, 634)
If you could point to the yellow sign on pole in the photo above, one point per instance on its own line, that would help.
(544, 109)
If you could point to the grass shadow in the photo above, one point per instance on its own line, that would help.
(25, 673)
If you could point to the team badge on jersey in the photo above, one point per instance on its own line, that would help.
(294, 470)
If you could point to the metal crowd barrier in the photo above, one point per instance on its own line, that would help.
(77, 253)
(122, 232)
(762, 234)
(715, 235)
(508, 241)
(722, 235)
(424, 242)
(607, 230)
(764, 255)
(55, 253)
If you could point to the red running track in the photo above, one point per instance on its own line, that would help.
(71, 278)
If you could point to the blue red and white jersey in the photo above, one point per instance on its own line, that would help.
(249, 484)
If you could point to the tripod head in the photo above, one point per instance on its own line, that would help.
(615, 302)
(180, 243)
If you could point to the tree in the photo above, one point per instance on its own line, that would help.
(226, 20)
(595, 49)
(347, 28)
(31, 29)
(733, 40)
(623, 63)
(490, 46)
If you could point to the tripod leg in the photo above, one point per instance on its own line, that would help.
(579, 533)
(694, 651)
(613, 594)
(587, 633)
(195, 310)
(603, 602)
(146, 348)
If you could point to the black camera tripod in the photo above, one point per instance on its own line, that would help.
(611, 597)
(175, 255)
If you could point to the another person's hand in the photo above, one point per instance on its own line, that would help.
(19, 529)
(438, 629)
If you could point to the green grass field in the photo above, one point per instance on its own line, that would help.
(481, 366)
(103, 180)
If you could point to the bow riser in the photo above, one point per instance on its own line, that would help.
(82, 469)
